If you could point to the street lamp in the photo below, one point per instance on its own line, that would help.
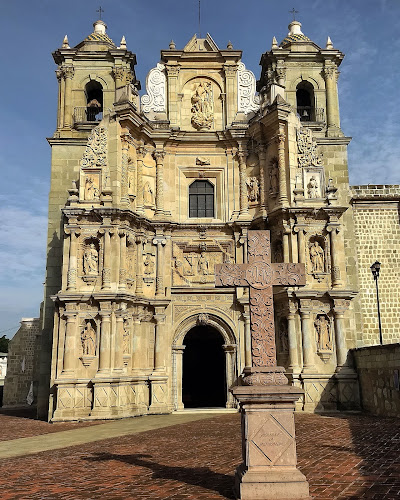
(375, 268)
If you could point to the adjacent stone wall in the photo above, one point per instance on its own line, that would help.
(377, 231)
(23, 363)
(379, 385)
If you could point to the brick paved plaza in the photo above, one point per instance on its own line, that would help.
(344, 457)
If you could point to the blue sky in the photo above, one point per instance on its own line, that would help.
(368, 32)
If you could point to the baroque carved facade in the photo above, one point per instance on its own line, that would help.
(168, 187)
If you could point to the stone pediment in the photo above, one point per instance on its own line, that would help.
(201, 44)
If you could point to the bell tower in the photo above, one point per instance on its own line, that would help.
(305, 75)
(91, 76)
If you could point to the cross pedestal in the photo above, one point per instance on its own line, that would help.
(266, 400)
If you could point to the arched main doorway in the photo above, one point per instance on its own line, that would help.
(204, 370)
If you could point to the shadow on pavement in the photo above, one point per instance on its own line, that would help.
(196, 476)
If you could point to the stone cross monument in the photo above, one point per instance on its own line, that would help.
(266, 400)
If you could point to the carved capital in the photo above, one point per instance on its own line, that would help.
(68, 71)
(159, 156)
(230, 70)
(340, 306)
(173, 70)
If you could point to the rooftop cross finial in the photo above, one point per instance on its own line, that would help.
(100, 11)
(294, 12)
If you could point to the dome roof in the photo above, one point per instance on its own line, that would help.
(99, 34)
(295, 35)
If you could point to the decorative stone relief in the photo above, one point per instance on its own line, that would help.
(95, 154)
(248, 101)
(201, 160)
(155, 99)
(88, 339)
(313, 188)
(307, 149)
(126, 344)
(202, 319)
(202, 106)
(194, 263)
(148, 195)
(253, 189)
(92, 187)
(149, 265)
(273, 176)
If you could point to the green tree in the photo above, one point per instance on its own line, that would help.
(4, 344)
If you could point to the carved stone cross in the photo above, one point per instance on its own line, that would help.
(260, 275)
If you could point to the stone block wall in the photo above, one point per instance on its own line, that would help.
(377, 232)
(23, 363)
(379, 385)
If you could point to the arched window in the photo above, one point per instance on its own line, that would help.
(305, 101)
(94, 101)
(201, 199)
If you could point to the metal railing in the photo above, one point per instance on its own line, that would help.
(85, 114)
(311, 114)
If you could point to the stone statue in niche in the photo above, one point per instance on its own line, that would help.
(323, 331)
(148, 264)
(313, 188)
(202, 265)
(88, 339)
(273, 176)
(148, 196)
(283, 335)
(202, 106)
(91, 260)
(131, 182)
(278, 252)
(253, 189)
(317, 258)
(92, 191)
(126, 339)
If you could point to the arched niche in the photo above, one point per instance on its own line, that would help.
(305, 101)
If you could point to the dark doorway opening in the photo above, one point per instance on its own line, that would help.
(204, 379)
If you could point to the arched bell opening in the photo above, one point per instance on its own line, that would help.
(94, 101)
(305, 101)
(204, 368)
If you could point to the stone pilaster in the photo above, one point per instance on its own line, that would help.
(160, 244)
(307, 335)
(119, 340)
(105, 341)
(243, 201)
(122, 260)
(61, 96)
(139, 265)
(159, 157)
(68, 75)
(294, 366)
(247, 335)
(281, 137)
(141, 153)
(124, 169)
(160, 334)
(332, 104)
(336, 250)
(106, 275)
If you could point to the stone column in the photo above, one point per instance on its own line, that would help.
(119, 76)
(335, 257)
(307, 335)
(159, 157)
(178, 351)
(61, 90)
(72, 262)
(69, 344)
(247, 336)
(141, 153)
(230, 71)
(283, 200)
(122, 260)
(106, 284)
(124, 169)
(229, 350)
(68, 75)
(139, 265)
(285, 243)
(159, 351)
(119, 340)
(105, 342)
(262, 155)
(136, 354)
(160, 244)
(339, 309)
(294, 366)
(332, 112)
(301, 244)
(243, 201)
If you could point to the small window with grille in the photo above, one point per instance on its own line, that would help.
(201, 199)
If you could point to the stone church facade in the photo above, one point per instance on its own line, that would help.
(149, 194)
